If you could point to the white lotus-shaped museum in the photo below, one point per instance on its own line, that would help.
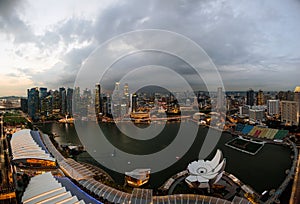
(206, 172)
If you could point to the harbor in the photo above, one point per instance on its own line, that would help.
(262, 163)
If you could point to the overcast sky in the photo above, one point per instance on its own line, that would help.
(253, 43)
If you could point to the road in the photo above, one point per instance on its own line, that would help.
(7, 185)
(295, 197)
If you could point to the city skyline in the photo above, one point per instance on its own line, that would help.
(45, 45)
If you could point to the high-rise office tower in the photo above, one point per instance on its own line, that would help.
(250, 97)
(86, 102)
(43, 92)
(290, 112)
(98, 100)
(48, 102)
(126, 89)
(297, 96)
(76, 101)
(117, 86)
(134, 102)
(24, 105)
(56, 102)
(33, 103)
(260, 98)
(220, 98)
(42, 95)
(273, 107)
(126, 97)
(69, 101)
(63, 100)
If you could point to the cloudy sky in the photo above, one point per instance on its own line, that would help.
(253, 43)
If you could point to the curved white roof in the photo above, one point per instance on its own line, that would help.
(204, 171)
(23, 146)
(53, 192)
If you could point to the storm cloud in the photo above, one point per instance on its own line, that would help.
(253, 43)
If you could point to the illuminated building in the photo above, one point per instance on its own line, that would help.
(28, 150)
(290, 112)
(57, 190)
(98, 100)
(256, 114)
(56, 102)
(297, 96)
(260, 98)
(134, 102)
(204, 173)
(126, 90)
(69, 101)
(273, 107)
(137, 177)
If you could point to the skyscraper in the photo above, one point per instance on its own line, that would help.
(43, 92)
(98, 100)
(69, 101)
(290, 112)
(220, 99)
(260, 98)
(33, 103)
(297, 96)
(134, 102)
(42, 95)
(56, 102)
(126, 98)
(63, 100)
(256, 115)
(126, 90)
(76, 101)
(48, 102)
(273, 107)
(86, 102)
(250, 97)
(24, 105)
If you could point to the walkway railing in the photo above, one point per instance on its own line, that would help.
(275, 197)
(116, 196)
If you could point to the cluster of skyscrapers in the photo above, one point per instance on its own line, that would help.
(94, 104)
(41, 103)
(285, 105)
(44, 104)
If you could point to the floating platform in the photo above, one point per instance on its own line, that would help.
(248, 146)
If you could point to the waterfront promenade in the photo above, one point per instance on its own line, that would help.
(275, 197)
(94, 186)
(84, 177)
(295, 196)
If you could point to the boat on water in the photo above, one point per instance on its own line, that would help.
(66, 120)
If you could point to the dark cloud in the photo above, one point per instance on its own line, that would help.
(243, 38)
(76, 29)
(12, 24)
